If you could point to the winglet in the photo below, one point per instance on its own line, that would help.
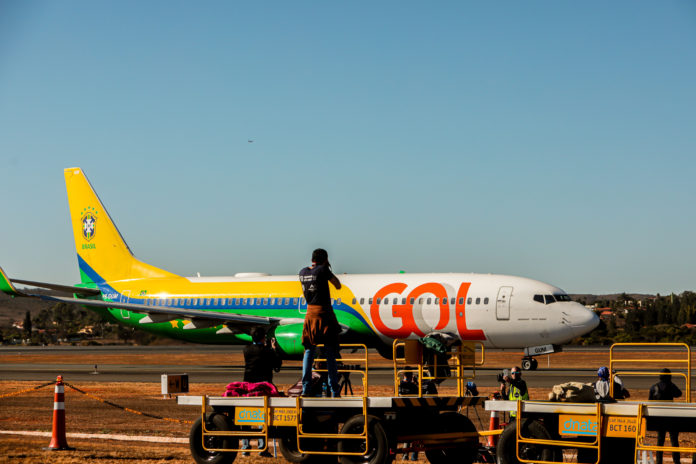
(6, 286)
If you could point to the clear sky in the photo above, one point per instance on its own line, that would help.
(549, 139)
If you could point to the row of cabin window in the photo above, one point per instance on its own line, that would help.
(422, 300)
(229, 301)
(295, 301)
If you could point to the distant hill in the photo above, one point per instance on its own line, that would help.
(14, 309)
(590, 299)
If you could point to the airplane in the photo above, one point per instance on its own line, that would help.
(499, 311)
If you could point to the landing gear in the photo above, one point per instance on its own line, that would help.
(529, 364)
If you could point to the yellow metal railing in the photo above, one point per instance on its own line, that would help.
(641, 429)
(262, 433)
(302, 434)
(683, 363)
(463, 358)
(351, 368)
(595, 445)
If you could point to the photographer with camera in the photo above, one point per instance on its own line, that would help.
(503, 380)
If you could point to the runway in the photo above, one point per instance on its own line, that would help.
(216, 370)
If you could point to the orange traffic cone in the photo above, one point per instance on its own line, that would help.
(494, 424)
(58, 440)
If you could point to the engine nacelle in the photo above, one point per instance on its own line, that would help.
(289, 338)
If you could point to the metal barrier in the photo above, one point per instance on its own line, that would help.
(302, 434)
(263, 433)
(681, 363)
(463, 358)
(595, 445)
(350, 368)
(641, 426)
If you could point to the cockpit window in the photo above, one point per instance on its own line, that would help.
(548, 299)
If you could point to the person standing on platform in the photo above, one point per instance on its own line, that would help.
(320, 324)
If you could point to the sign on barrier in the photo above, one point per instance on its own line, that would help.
(586, 425)
(256, 416)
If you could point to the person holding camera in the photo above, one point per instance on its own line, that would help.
(320, 324)
(518, 387)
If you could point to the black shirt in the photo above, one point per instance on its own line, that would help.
(259, 363)
(315, 285)
(664, 390)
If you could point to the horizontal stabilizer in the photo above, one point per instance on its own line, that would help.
(57, 287)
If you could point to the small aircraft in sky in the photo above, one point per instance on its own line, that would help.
(498, 311)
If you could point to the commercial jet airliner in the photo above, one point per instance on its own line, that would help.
(497, 310)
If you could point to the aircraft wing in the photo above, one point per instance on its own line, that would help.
(7, 286)
(199, 318)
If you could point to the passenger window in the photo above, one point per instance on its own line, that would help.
(294, 301)
(286, 301)
(420, 300)
(412, 300)
(251, 301)
(403, 301)
(485, 300)
(468, 300)
(379, 300)
(452, 301)
(362, 301)
(444, 300)
(386, 301)
(303, 302)
(338, 301)
(370, 300)
(461, 300)
(428, 300)
(354, 301)
(195, 302)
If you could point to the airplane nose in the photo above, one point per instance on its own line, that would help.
(583, 320)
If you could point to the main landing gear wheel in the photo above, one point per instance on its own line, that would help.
(506, 451)
(213, 421)
(464, 452)
(378, 446)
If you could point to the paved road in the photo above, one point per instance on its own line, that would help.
(222, 374)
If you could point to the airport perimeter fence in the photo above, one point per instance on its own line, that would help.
(96, 398)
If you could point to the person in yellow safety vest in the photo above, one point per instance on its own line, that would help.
(518, 387)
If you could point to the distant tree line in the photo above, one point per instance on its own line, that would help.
(62, 322)
(656, 319)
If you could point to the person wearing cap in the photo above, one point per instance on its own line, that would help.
(518, 387)
(602, 386)
(665, 390)
(320, 324)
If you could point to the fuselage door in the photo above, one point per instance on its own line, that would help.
(502, 304)
(125, 298)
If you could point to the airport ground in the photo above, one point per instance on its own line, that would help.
(130, 378)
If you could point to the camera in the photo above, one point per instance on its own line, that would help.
(500, 377)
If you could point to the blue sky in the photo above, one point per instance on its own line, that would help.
(554, 140)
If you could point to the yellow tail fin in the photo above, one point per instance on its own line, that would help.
(102, 254)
